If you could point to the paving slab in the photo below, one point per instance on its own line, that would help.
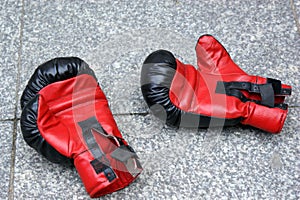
(10, 12)
(6, 129)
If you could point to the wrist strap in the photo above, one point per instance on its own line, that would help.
(267, 91)
(100, 163)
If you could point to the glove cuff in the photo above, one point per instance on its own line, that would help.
(108, 164)
(100, 179)
(265, 118)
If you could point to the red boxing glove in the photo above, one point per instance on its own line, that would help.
(66, 118)
(218, 93)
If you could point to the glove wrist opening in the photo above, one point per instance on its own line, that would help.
(265, 118)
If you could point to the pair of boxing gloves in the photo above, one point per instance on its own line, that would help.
(66, 116)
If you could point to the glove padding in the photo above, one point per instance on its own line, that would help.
(218, 93)
(66, 118)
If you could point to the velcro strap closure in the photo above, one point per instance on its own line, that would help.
(276, 85)
(128, 157)
(100, 163)
(278, 90)
(267, 95)
(123, 153)
(255, 88)
(265, 90)
(250, 87)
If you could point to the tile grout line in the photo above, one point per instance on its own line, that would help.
(15, 120)
(9, 120)
(129, 114)
(295, 14)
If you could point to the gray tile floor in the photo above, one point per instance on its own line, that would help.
(114, 37)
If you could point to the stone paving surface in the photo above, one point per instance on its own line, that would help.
(114, 38)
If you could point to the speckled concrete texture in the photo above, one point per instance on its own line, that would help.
(37, 178)
(114, 38)
(238, 163)
(10, 12)
(5, 161)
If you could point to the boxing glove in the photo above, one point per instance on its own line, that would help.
(66, 118)
(217, 93)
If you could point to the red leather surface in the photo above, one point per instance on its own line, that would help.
(68, 102)
(269, 119)
(213, 58)
(193, 90)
